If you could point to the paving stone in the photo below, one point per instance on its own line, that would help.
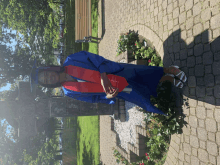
(199, 70)
(186, 138)
(198, 60)
(217, 114)
(206, 47)
(169, 8)
(215, 10)
(194, 151)
(194, 141)
(215, 21)
(155, 11)
(183, 54)
(192, 91)
(175, 21)
(186, 130)
(189, 33)
(182, 2)
(195, 2)
(217, 56)
(183, 63)
(170, 24)
(206, 14)
(215, 45)
(192, 111)
(207, 58)
(209, 91)
(217, 91)
(193, 131)
(218, 138)
(202, 134)
(191, 79)
(182, 17)
(205, 4)
(193, 121)
(206, 25)
(201, 123)
(202, 155)
(176, 12)
(198, 39)
(209, 102)
(214, 3)
(189, 13)
(217, 101)
(181, 155)
(191, 71)
(197, 19)
(174, 153)
(200, 91)
(218, 126)
(208, 69)
(189, 23)
(196, 9)
(212, 159)
(211, 136)
(187, 148)
(218, 160)
(164, 5)
(176, 48)
(216, 68)
(210, 125)
(190, 42)
(198, 49)
(200, 81)
(187, 158)
(194, 160)
(202, 144)
(188, 5)
(216, 33)
(197, 29)
(201, 102)
(210, 113)
(212, 148)
(209, 80)
(201, 112)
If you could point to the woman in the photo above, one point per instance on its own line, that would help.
(143, 80)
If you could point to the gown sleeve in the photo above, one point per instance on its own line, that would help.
(89, 97)
(100, 63)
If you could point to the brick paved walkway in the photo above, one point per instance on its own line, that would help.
(186, 33)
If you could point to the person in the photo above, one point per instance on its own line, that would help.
(98, 76)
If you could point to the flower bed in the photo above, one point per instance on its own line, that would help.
(159, 128)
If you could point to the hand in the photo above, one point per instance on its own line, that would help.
(108, 88)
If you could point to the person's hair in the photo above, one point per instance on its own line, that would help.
(54, 68)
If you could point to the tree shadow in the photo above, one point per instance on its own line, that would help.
(87, 156)
(200, 60)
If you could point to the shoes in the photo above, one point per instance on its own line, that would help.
(180, 73)
(175, 82)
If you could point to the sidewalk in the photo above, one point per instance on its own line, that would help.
(185, 33)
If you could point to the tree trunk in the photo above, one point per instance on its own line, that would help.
(58, 157)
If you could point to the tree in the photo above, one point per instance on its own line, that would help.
(46, 155)
(37, 20)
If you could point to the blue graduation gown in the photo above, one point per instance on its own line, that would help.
(142, 79)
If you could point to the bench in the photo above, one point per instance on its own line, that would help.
(83, 22)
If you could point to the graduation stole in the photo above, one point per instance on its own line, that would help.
(94, 78)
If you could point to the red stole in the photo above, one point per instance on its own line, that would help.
(94, 78)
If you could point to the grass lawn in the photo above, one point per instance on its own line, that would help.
(87, 127)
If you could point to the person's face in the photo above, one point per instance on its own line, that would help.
(48, 77)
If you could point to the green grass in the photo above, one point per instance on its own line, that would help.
(85, 134)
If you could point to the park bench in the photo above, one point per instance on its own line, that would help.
(83, 22)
